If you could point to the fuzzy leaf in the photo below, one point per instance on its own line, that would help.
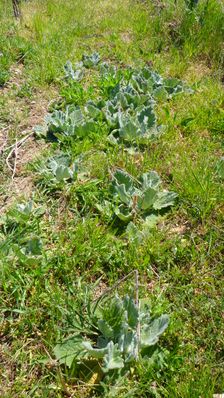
(123, 195)
(92, 352)
(128, 344)
(148, 199)
(113, 358)
(62, 173)
(71, 73)
(133, 233)
(123, 213)
(150, 180)
(129, 131)
(92, 110)
(105, 328)
(150, 333)
(132, 312)
(122, 177)
(173, 86)
(147, 118)
(91, 60)
(68, 350)
(164, 199)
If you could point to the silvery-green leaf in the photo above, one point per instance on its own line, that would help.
(53, 165)
(133, 233)
(123, 195)
(150, 180)
(93, 352)
(112, 139)
(85, 128)
(160, 93)
(132, 312)
(123, 100)
(129, 131)
(92, 110)
(147, 118)
(25, 208)
(113, 358)
(139, 83)
(150, 333)
(122, 177)
(75, 115)
(62, 173)
(150, 222)
(68, 350)
(128, 345)
(147, 200)
(123, 213)
(40, 131)
(152, 76)
(164, 199)
(91, 60)
(105, 328)
(173, 85)
(71, 73)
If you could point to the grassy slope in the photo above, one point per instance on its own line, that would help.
(180, 263)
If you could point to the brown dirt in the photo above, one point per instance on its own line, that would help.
(25, 115)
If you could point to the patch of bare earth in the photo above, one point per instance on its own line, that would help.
(26, 114)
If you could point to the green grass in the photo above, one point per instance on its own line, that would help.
(180, 261)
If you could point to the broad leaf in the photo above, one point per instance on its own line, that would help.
(128, 345)
(113, 358)
(105, 328)
(122, 177)
(92, 352)
(91, 60)
(123, 213)
(150, 180)
(76, 75)
(164, 199)
(131, 311)
(148, 199)
(150, 333)
(123, 195)
(62, 172)
(68, 350)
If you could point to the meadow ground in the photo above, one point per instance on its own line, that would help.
(69, 239)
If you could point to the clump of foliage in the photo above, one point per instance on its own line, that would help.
(126, 104)
(19, 229)
(77, 73)
(68, 125)
(56, 171)
(113, 333)
(135, 198)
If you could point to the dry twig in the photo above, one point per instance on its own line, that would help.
(14, 151)
(15, 160)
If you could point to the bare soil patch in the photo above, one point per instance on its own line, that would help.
(26, 113)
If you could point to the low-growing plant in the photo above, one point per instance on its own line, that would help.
(20, 228)
(127, 105)
(68, 125)
(111, 335)
(134, 198)
(56, 171)
(77, 73)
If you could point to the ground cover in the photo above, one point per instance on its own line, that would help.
(124, 172)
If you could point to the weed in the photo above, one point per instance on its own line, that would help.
(60, 244)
